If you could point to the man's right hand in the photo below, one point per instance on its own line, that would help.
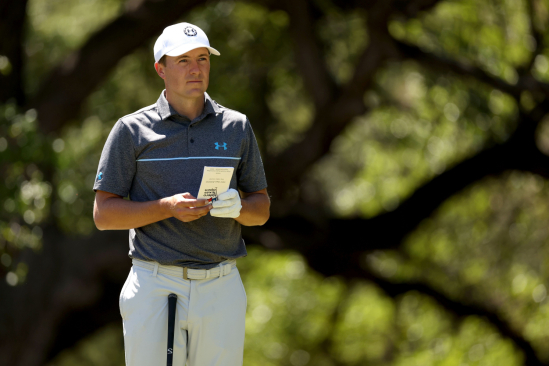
(186, 207)
(112, 212)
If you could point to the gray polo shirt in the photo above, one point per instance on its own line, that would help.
(156, 153)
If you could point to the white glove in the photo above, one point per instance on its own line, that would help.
(227, 205)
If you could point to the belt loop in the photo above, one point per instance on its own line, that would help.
(207, 273)
(221, 270)
(155, 269)
(185, 273)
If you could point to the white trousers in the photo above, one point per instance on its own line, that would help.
(209, 321)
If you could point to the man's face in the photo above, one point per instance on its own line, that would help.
(187, 75)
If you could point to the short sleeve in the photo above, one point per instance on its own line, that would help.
(117, 164)
(250, 173)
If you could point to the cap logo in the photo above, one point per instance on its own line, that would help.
(190, 31)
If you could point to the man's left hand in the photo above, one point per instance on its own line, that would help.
(227, 205)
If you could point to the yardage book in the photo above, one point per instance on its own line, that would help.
(216, 180)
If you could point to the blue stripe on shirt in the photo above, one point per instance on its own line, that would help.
(191, 157)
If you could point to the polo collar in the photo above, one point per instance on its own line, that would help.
(165, 109)
(210, 105)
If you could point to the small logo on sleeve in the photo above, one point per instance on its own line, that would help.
(224, 146)
(100, 176)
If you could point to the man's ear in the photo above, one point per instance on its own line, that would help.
(159, 69)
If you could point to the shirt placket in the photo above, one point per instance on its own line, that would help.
(191, 138)
(195, 136)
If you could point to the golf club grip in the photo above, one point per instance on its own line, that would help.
(172, 301)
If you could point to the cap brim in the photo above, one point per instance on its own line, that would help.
(189, 47)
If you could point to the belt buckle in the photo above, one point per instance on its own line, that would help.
(185, 273)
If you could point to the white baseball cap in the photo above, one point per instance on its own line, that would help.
(180, 38)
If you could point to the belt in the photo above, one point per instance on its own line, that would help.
(223, 269)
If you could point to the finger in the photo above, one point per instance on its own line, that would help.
(231, 193)
(225, 203)
(202, 202)
(190, 217)
(193, 211)
(193, 203)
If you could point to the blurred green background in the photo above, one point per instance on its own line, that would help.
(482, 247)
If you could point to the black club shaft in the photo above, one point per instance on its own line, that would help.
(172, 301)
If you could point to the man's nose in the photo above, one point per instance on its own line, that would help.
(194, 69)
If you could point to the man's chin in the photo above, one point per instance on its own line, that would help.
(194, 93)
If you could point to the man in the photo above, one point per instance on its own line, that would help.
(179, 243)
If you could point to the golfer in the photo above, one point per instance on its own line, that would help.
(180, 244)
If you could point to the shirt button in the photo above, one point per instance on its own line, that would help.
(192, 141)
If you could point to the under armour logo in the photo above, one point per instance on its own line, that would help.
(190, 31)
(224, 146)
(100, 176)
(170, 351)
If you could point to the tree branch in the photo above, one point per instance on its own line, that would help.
(332, 117)
(387, 231)
(462, 308)
(440, 63)
(406, 8)
(12, 22)
(67, 86)
(309, 59)
(411, 9)
(536, 34)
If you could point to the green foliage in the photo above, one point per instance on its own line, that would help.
(488, 244)
(494, 34)
(344, 37)
(25, 192)
(420, 125)
(76, 164)
(485, 245)
(57, 27)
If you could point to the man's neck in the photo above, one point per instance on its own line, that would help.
(190, 108)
